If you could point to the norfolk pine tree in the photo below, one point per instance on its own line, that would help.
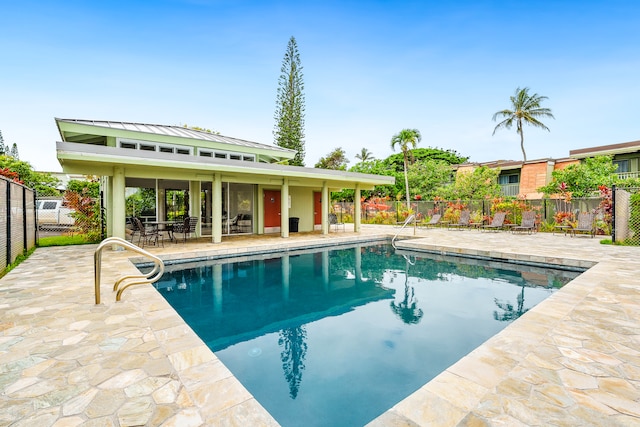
(289, 115)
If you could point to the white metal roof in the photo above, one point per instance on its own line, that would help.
(177, 131)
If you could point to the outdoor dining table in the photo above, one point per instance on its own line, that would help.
(167, 226)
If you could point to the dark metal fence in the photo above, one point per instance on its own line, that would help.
(17, 221)
(390, 212)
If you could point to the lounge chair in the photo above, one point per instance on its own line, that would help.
(464, 222)
(586, 224)
(528, 223)
(497, 223)
(333, 220)
(433, 222)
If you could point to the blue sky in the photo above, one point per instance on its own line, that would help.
(371, 68)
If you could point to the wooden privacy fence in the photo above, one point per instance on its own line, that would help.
(17, 221)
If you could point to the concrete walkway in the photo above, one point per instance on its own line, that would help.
(572, 360)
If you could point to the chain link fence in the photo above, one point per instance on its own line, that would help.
(71, 215)
(17, 221)
(626, 215)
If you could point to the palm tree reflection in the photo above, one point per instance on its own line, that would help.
(407, 310)
(292, 356)
(510, 313)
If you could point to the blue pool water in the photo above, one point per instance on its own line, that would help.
(337, 336)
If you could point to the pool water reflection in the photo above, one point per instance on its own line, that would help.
(338, 336)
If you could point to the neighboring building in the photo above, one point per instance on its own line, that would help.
(522, 179)
(626, 155)
(221, 177)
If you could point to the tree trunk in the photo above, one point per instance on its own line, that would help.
(406, 183)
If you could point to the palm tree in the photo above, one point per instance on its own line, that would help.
(365, 155)
(525, 108)
(406, 139)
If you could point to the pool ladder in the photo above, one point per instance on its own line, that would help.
(139, 279)
(408, 220)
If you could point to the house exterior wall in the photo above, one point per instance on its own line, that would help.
(532, 177)
(302, 206)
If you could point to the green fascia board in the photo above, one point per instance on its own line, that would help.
(79, 157)
(66, 128)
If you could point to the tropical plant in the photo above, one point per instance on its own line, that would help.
(336, 160)
(365, 155)
(582, 179)
(525, 108)
(44, 183)
(481, 183)
(406, 139)
(289, 115)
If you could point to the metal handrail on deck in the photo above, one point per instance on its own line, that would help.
(409, 219)
(151, 277)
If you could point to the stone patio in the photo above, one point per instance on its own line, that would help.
(572, 360)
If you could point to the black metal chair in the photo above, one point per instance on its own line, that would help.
(185, 228)
(147, 235)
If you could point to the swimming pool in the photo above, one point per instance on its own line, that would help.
(337, 336)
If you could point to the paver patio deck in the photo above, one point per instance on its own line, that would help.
(572, 360)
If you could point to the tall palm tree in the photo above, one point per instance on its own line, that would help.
(365, 155)
(524, 108)
(406, 139)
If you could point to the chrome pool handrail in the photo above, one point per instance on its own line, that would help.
(408, 220)
(151, 277)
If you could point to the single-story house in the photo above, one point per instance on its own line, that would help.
(220, 178)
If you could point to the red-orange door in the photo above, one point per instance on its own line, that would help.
(271, 208)
(317, 208)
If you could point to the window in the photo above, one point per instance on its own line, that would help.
(206, 154)
(129, 145)
(248, 158)
(49, 205)
(183, 151)
(221, 156)
(508, 179)
(623, 165)
(234, 157)
(166, 149)
(147, 147)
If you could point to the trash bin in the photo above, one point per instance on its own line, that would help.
(293, 224)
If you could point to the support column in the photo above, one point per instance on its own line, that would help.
(357, 209)
(325, 208)
(161, 201)
(284, 208)
(107, 184)
(216, 202)
(259, 211)
(195, 198)
(118, 203)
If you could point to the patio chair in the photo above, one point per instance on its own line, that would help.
(147, 235)
(497, 223)
(333, 220)
(586, 224)
(464, 222)
(185, 227)
(528, 223)
(433, 222)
